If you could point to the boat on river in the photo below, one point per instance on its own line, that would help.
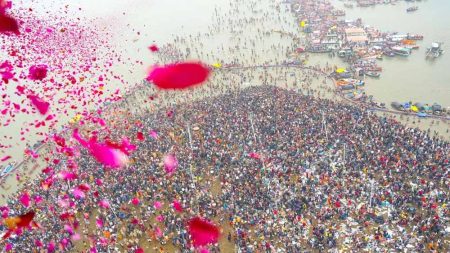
(402, 51)
(372, 74)
(435, 50)
(414, 37)
(412, 9)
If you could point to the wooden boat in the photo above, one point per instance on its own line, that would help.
(412, 9)
(397, 106)
(415, 37)
(373, 74)
(402, 51)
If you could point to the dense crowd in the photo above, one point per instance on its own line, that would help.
(276, 170)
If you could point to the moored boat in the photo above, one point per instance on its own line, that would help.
(373, 74)
(402, 51)
(415, 37)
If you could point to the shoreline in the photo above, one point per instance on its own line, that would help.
(444, 119)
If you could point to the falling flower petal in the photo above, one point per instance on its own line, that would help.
(154, 134)
(67, 176)
(110, 155)
(99, 222)
(160, 218)
(170, 164)
(140, 136)
(25, 199)
(40, 104)
(68, 229)
(51, 247)
(135, 201)
(38, 243)
(75, 237)
(8, 25)
(157, 205)
(78, 193)
(254, 155)
(202, 232)
(8, 247)
(178, 75)
(104, 204)
(19, 221)
(153, 48)
(37, 72)
(177, 206)
(98, 182)
(38, 199)
(5, 158)
(158, 232)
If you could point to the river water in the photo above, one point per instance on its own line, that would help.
(412, 78)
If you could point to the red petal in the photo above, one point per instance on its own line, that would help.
(8, 25)
(179, 75)
(153, 48)
(40, 104)
(202, 232)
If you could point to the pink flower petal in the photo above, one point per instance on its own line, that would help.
(158, 232)
(38, 199)
(68, 229)
(98, 182)
(153, 48)
(104, 204)
(157, 205)
(51, 247)
(99, 222)
(75, 237)
(110, 157)
(38, 243)
(160, 218)
(140, 136)
(170, 164)
(37, 72)
(179, 75)
(135, 201)
(5, 158)
(177, 206)
(84, 187)
(67, 176)
(202, 232)
(25, 199)
(40, 104)
(8, 247)
(254, 155)
(154, 134)
(78, 193)
(8, 25)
